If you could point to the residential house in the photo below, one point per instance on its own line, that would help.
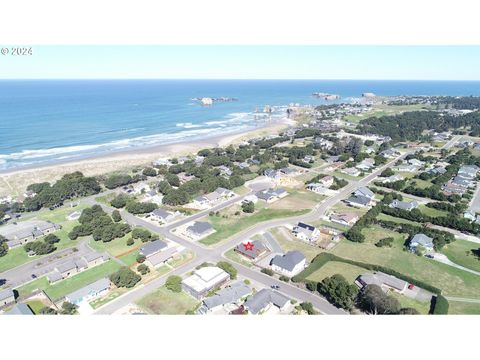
(7, 297)
(416, 162)
(366, 192)
(390, 153)
(90, 292)
(306, 232)
(161, 257)
(406, 168)
(271, 195)
(67, 268)
(162, 215)
(231, 295)
(74, 216)
(152, 248)
(366, 164)
(20, 233)
(20, 309)
(347, 219)
(422, 240)
(392, 179)
(385, 281)
(251, 249)
(460, 181)
(404, 205)
(326, 181)
(359, 201)
(351, 171)
(203, 280)
(267, 300)
(94, 258)
(290, 264)
(199, 229)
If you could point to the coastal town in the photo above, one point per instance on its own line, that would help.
(363, 207)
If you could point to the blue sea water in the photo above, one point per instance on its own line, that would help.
(45, 121)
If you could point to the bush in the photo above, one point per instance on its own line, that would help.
(116, 216)
(441, 305)
(338, 291)
(125, 278)
(51, 239)
(174, 283)
(143, 269)
(284, 278)
(248, 207)
(130, 242)
(373, 300)
(229, 268)
(267, 271)
(119, 201)
(69, 308)
(115, 181)
(148, 171)
(385, 242)
(141, 258)
(308, 307)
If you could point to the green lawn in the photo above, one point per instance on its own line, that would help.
(166, 302)
(226, 227)
(463, 308)
(452, 281)
(432, 212)
(422, 184)
(107, 298)
(421, 306)
(460, 252)
(71, 284)
(397, 220)
(36, 306)
(375, 232)
(350, 272)
(289, 243)
(116, 247)
(234, 256)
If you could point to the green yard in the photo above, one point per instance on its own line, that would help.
(290, 243)
(432, 212)
(116, 247)
(397, 220)
(406, 302)
(71, 284)
(375, 232)
(234, 256)
(451, 281)
(348, 271)
(461, 253)
(36, 306)
(166, 302)
(463, 308)
(226, 227)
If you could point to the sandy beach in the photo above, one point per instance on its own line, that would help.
(15, 181)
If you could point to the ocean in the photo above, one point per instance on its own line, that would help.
(46, 121)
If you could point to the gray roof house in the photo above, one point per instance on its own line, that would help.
(359, 201)
(230, 294)
(364, 191)
(20, 309)
(162, 214)
(404, 205)
(200, 228)
(258, 249)
(290, 263)
(263, 299)
(6, 297)
(152, 248)
(89, 292)
(383, 280)
(423, 240)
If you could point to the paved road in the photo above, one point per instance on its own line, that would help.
(23, 274)
(445, 260)
(461, 299)
(458, 234)
(214, 254)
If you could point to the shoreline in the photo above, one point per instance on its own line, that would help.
(14, 181)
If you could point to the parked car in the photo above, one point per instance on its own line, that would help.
(34, 276)
(411, 286)
(275, 287)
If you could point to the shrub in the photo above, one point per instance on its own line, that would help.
(284, 278)
(441, 305)
(229, 268)
(143, 269)
(125, 278)
(174, 283)
(130, 242)
(267, 271)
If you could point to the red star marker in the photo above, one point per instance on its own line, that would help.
(248, 246)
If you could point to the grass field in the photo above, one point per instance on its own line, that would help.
(289, 243)
(234, 256)
(350, 272)
(71, 284)
(36, 306)
(397, 220)
(452, 281)
(406, 302)
(226, 227)
(460, 252)
(432, 212)
(116, 247)
(463, 308)
(374, 233)
(166, 302)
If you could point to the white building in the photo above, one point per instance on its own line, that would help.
(203, 280)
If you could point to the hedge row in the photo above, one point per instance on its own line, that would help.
(441, 305)
(323, 258)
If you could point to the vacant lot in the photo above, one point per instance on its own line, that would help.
(230, 225)
(349, 272)
(117, 247)
(166, 302)
(452, 281)
(397, 220)
(374, 233)
(236, 257)
(463, 308)
(406, 302)
(462, 253)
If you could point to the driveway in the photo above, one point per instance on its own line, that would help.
(272, 242)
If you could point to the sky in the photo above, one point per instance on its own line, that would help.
(245, 62)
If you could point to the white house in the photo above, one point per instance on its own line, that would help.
(306, 232)
(290, 264)
(203, 280)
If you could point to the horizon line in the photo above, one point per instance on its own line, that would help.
(228, 79)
